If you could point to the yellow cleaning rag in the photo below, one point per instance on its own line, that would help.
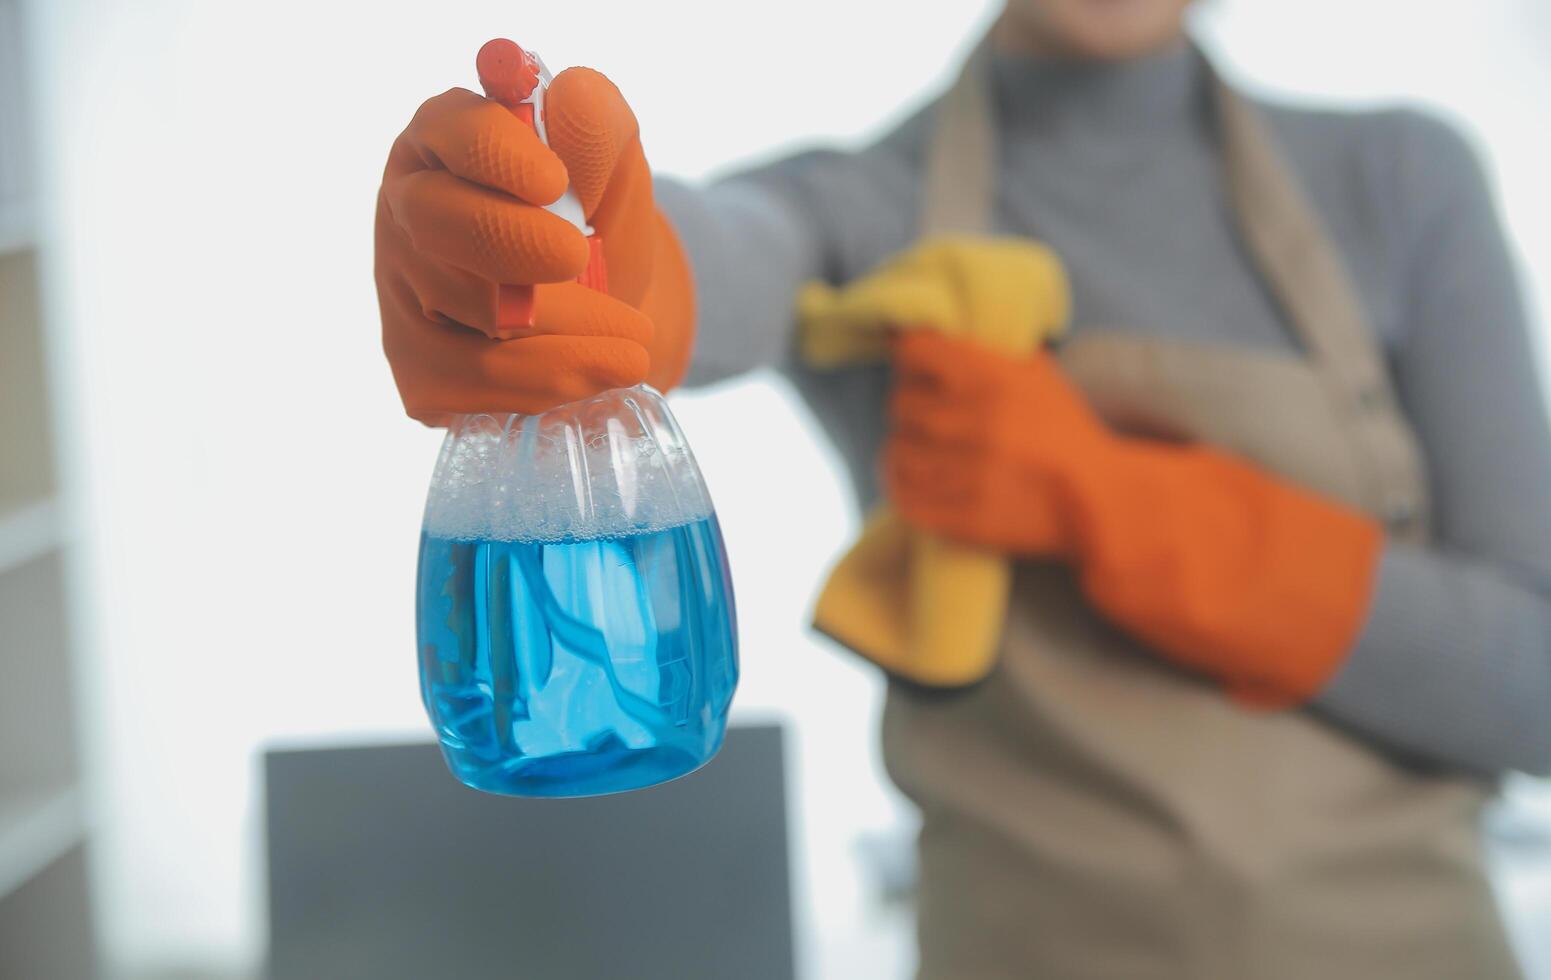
(924, 608)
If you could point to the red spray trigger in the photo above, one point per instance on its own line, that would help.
(507, 73)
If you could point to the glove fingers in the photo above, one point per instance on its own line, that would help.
(484, 231)
(927, 361)
(569, 309)
(592, 129)
(627, 220)
(481, 141)
(920, 412)
(444, 369)
(931, 486)
(565, 368)
(445, 293)
(589, 126)
(669, 302)
(952, 490)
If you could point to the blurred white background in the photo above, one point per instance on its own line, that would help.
(248, 491)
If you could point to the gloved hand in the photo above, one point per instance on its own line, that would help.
(461, 212)
(1213, 563)
(924, 608)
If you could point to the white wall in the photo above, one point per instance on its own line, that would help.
(249, 488)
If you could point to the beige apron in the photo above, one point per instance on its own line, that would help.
(1090, 812)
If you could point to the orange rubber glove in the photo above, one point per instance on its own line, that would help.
(461, 212)
(1215, 564)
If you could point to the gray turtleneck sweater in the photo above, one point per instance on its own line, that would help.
(1115, 167)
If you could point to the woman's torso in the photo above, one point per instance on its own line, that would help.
(1089, 811)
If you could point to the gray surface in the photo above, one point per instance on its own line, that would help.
(45, 929)
(1116, 168)
(382, 866)
(38, 749)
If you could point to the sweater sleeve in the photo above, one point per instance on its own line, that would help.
(749, 249)
(1453, 664)
(754, 237)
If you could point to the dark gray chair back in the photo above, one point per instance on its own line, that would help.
(382, 866)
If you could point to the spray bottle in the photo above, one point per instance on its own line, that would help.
(574, 613)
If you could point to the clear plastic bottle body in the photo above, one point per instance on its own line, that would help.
(575, 615)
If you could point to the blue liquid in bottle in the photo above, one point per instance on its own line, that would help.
(577, 667)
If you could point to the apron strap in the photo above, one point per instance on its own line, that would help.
(1303, 270)
(959, 188)
(1287, 241)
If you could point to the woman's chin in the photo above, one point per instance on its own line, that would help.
(1092, 30)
